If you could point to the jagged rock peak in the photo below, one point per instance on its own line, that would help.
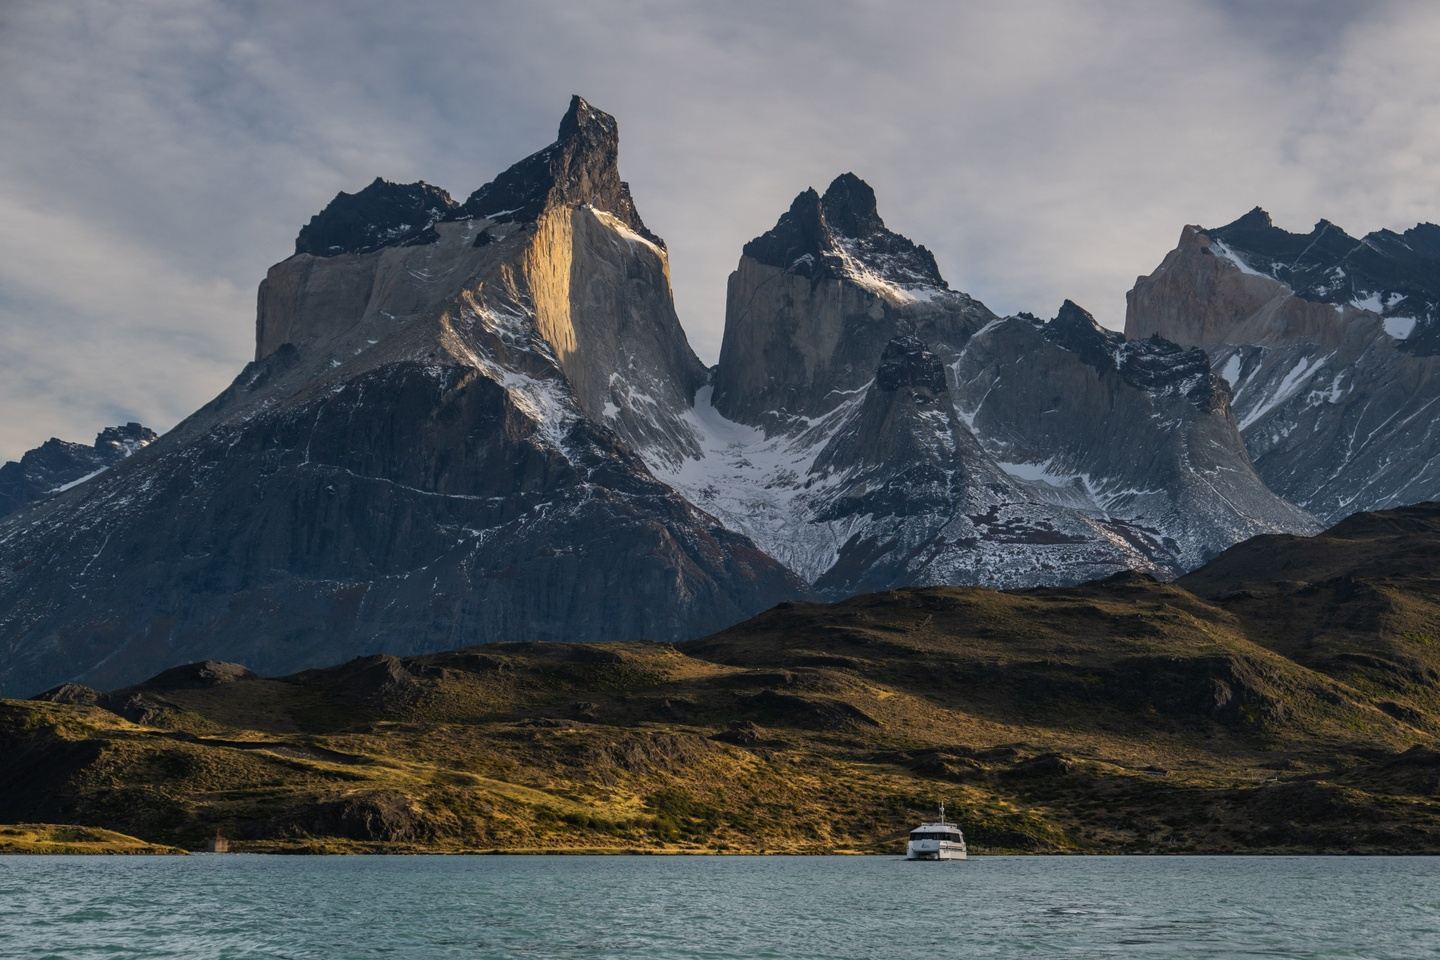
(850, 206)
(1072, 315)
(1154, 364)
(382, 214)
(1257, 218)
(1256, 232)
(840, 235)
(908, 362)
(581, 167)
(801, 231)
(125, 439)
(1076, 329)
(583, 120)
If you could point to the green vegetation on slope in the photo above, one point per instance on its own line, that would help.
(1281, 699)
(51, 838)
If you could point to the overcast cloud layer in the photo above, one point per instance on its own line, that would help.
(158, 155)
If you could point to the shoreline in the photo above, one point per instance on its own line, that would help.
(77, 840)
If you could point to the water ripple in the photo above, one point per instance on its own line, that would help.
(796, 908)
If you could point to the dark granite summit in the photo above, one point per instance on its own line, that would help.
(908, 362)
(1154, 364)
(382, 214)
(582, 166)
(822, 236)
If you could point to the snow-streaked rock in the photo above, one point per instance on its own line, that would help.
(1328, 345)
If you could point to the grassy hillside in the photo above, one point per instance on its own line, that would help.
(1284, 698)
(50, 838)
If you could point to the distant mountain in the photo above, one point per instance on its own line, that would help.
(1331, 348)
(432, 447)
(57, 465)
(1283, 698)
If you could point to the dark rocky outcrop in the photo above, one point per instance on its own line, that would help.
(57, 465)
(386, 816)
(907, 362)
(382, 214)
(197, 676)
(72, 693)
(582, 166)
(1155, 365)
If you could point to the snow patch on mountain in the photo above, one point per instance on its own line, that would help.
(763, 486)
(1289, 385)
(622, 229)
(1231, 372)
(1399, 328)
(78, 480)
(1219, 247)
(883, 275)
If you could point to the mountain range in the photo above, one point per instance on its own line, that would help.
(480, 420)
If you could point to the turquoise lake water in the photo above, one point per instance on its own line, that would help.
(717, 907)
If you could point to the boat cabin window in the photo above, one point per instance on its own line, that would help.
(935, 835)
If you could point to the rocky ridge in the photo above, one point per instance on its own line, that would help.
(57, 465)
(1326, 344)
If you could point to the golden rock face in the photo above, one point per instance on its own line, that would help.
(1199, 298)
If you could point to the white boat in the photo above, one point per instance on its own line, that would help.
(936, 841)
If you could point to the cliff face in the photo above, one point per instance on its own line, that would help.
(1326, 345)
(1201, 297)
(602, 299)
(434, 447)
(815, 300)
(1141, 431)
(566, 253)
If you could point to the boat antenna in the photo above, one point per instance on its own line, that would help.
(942, 811)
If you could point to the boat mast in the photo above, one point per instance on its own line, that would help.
(942, 811)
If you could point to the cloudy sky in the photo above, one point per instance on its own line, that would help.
(158, 155)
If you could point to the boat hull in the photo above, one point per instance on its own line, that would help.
(931, 850)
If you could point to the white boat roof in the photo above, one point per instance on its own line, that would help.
(937, 826)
